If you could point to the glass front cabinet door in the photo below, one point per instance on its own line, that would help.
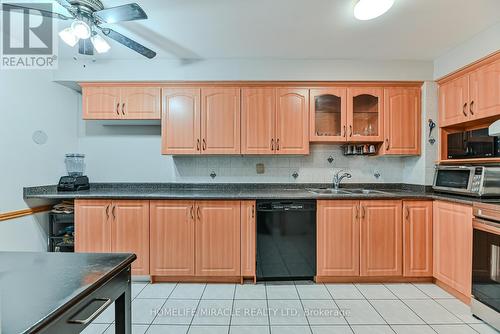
(364, 110)
(328, 114)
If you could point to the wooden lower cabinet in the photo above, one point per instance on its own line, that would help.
(114, 226)
(217, 241)
(381, 238)
(248, 238)
(172, 238)
(195, 238)
(337, 238)
(452, 248)
(417, 238)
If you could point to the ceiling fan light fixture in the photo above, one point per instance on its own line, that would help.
(370, 9)
(100, 44)
(81, 29)
(69, 37)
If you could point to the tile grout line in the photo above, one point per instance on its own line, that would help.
(232, 309)
(163, 305)
(268, 310)
(197, 305)
(335, 302)
(302, 304)
(380, 315)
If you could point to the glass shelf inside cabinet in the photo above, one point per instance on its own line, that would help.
(365, 115)
(327, 115)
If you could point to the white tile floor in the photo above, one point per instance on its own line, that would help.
(293, 308)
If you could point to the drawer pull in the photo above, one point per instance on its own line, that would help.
(94, 315)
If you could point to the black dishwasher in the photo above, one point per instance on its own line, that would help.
(286, 240)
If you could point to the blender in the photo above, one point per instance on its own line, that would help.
(75, 180)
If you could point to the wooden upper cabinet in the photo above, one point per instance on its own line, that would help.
(484, 91)
(130, 232)
(120, 102)
(248, 238)
(220, 120)
(218, 238)
(292, 121)
(328, 115)
(381, 238)
(172, 231)
(337, 238)
(453, 101)
(452, 249)
(258, 116)
(181, 119)
(402, 118)
(365, 114)
(417, 238)
(93, 226)
(101, 102)
(140, 102)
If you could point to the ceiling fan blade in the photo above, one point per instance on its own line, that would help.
(129, 12)
(148, 53)
(34, 10)
(67, 6)
(85, 47)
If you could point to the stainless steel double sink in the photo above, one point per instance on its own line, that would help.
(332, 191)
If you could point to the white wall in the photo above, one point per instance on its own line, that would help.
(30, 101)
(481, 45)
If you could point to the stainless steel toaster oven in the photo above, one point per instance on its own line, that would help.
(479, 181)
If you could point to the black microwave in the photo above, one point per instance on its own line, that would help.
(473, 144)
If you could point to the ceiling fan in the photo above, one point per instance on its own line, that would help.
(88, 16)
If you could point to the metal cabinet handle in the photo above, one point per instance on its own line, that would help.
(464, 109)
(277, 144)
(363, 212)
(198, 213)
(113, 212)
(357, 212)
(117, 107)
(350, 130)
(198, 144)
(253, 211)
(123, 108)
(386, 143)
(272, 144)
(191, 210)
(344, 132)
(407, 213)
(94, 315)
(107, 211)
(470, 108)
(204, 144)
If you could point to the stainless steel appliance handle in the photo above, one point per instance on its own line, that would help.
(93, 315)
(486, 225)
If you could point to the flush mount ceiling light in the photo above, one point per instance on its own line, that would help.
(370, 9)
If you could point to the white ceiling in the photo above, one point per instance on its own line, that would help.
(301, 29)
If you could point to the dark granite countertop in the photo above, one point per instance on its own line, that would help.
(243, 191)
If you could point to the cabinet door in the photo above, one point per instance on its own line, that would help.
(180, 129)
(453, 101)
(140, 102)
(338, 238)
(220, 120)
(93, 226)
(258, 120)
(452, 249)
(101, 102)
(172, 238)
(130, 232)
(381, 238)
(484, 85)
(402, 121)
(365, 114)
(292, 121)
(248, 241)
(417, 238)
(328, 115)
(218, 238)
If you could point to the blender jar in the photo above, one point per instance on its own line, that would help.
(75, 165)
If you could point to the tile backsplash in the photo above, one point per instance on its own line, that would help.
(312, 168)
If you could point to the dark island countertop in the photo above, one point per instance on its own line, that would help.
(36, 287)
(243, 191)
